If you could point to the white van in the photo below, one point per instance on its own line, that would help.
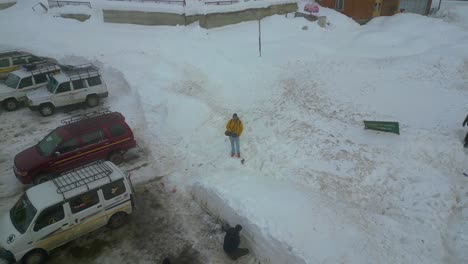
(74, 85)
(28, 78)
(55, 212)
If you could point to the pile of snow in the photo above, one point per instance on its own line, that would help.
(315, 182)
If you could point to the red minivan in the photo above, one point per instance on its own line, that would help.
(82, 139)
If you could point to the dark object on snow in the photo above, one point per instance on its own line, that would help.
(465, 122)
(232, 241)
(392, 127)
(466, 141)
(166, 261)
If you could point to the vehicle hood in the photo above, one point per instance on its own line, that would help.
(5, 89)
(28, 159)
(38, 94)
(8, 233)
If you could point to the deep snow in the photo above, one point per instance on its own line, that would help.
(315, 183)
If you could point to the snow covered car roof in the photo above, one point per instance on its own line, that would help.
(72, 183)
(70, 73)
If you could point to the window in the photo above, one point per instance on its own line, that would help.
(69, 145)
(12, 81)
(19, 61)
(49, 217)
(40, 78)
(22, 214)
(26, 82)
(33, 59)
(93, 81)
(4, 63)
(113, 189)
(117, 130)
(48, 144)
(78, 84)
(92, 137)
(63, 87)
(339, 4)
(84, 201)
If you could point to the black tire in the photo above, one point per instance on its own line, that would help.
(10, 104)
(46, 109)
(92, 100)
(36, 256)
(116, 157)
(117, 220)
(41, 178)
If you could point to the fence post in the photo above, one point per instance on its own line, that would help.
(259, 38)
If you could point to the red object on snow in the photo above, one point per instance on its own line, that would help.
(315, 9)
(311, 8)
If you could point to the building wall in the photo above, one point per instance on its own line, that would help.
(389, 7)
(359, 10)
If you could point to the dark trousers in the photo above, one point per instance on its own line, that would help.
(234, 255)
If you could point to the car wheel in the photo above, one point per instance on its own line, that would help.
(116, 157)
(41, 178)
(92, 100)
(36, 256)
(11, 104)
(46, 109)
(117, 220)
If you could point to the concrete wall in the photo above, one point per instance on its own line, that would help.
(143, 18)
(206, 21)
(6, 5)
(79, 17)
(223, 19)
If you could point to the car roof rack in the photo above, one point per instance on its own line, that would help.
(41, 67)
(84, 116)
(82, 176)
(12, 53)
(77, 72)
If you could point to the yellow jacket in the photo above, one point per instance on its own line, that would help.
(235, 126)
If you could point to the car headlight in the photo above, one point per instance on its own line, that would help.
(20, 172)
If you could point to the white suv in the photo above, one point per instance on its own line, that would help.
(53, 213)
(75, 84)
(29, 77)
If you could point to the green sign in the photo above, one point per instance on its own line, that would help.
(392, 127)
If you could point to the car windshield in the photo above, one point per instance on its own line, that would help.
(52, 85)
(22, 214)
(12, 81)
(48, 144)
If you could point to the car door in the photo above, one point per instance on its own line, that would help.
(116, 197)
(95, 145)
(80, 90)
(87, 212)
(52, 228)
(62, 95)
(24, 86)
(67, 155)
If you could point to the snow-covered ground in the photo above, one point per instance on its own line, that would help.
(315, 185)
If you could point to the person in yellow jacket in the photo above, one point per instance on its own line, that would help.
(234, 130)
